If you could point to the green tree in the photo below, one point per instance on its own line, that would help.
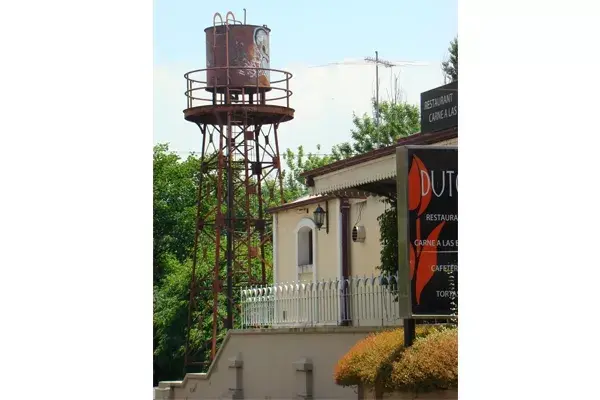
(171, 298)
(388, 237)
(297, 163)
(174, 207)
(450, 66)
(396, 120)
(175, 199)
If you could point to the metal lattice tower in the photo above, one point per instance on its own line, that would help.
(238, 106)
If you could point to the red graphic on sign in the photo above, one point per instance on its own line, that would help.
(427, 260)
(421, 257)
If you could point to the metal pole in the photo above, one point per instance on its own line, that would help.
(259, 182)
(409, 332)
(230, 194)
(377, 87)
(192, 300)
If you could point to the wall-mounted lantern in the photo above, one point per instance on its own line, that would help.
(322, 217)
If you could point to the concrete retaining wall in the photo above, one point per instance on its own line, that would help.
(293, 363)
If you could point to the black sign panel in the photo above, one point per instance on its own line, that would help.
(439, 108)
(428, 228)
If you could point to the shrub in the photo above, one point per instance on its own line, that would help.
(369, 362)
(431, 363)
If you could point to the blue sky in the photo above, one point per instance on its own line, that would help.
(306, 33)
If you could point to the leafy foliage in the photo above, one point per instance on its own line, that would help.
(369, 362)
(174, 207)
(175, 192)
(296, 164)
(388, 228)
(450, 66)
(431, 363)
(396, 120)
(170, 318)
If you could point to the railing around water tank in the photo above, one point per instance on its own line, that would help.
(201, 92)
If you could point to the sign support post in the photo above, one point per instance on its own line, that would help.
(409, 332)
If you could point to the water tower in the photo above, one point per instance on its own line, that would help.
(238, 102)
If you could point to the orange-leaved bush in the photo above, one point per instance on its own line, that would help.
(369, 361)
(431, 363)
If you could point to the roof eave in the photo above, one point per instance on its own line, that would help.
(416, 139)
(300, 204)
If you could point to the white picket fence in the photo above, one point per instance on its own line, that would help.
(363, 301)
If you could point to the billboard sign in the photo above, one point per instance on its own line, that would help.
(439, 108)
(427, 184)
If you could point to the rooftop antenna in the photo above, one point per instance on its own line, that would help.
(377, 61)
(388, 64)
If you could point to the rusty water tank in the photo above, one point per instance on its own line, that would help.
(248, 47)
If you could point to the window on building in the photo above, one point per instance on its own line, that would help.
(305, 246)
